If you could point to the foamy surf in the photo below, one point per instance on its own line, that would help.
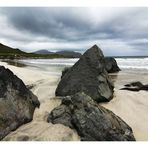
(124, 63)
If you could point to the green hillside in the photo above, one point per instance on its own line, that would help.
(13, 53)
(6, 49)
(8, 52)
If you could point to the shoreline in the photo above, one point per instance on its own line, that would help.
(132, 107)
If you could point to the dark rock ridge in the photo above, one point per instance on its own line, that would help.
(111, 65)
(92, 121)
(17, 103)
(135, 86)
(88, 75)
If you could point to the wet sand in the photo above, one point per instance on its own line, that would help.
(132, 107)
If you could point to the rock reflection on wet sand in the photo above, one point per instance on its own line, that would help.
(14, 63)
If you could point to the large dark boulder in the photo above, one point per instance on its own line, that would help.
(17, 102)
(111, 65)
(92, 121)
(87, 75)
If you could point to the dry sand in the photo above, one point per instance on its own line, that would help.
(132, 107)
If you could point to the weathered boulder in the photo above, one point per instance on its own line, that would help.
(111, 65)
(87, 75)
(17, 102)
(92, 121)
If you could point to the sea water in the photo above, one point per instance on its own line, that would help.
(132, 69)
(123, 63)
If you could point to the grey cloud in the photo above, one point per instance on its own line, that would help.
(78, 27)
(51, 22)
(61, 23)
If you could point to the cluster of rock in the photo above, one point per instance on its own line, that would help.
(17, 102)
(81, 88)
(92, 121)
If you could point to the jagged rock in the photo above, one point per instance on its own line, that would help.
(135, 86)
(87, 75)
(111, 65)
(17, 103)
(92, 121)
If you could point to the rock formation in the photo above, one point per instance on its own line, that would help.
(88, 75)
(92, 121)
(111, 65)
(135, 86)
(17, 103)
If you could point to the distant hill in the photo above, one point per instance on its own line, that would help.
(7, 52)
(44, 51)
(69, 53)
(65, 53)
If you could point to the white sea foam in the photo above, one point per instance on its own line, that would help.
(133, 63)
(124, 63)
(65, 62)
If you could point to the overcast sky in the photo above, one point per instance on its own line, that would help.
(117, 31)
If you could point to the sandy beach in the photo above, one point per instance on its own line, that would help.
(132, 107)
(39, 129)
